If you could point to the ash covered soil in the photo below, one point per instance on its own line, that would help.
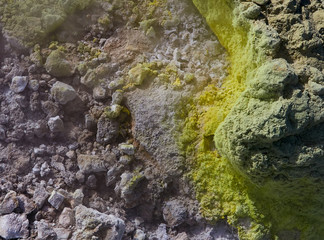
(89, 118)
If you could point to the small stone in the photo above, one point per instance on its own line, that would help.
(57, 65)
(174, 212)
(116, 84)
(19, 84)
(117, 97)
(107, 130)
(316, 88)
(40, 196)
(13, 226)
(63, 93)
(89, 121)
(91, 163)
(139, 235)
(45, 231)
(50, 108)
(66, 218)
(113, 111)
(112, 175)
(78, 197)
(56, 199)
(9, 203)
(127, 148)
(71, 154)
(91, 181)
(45, 169)
(182, 236)
(26, 205)
(99, 93)
(62, 233)
(33, 85)
(161, 232)
(55, 124)
(125, 159)
(80, 176)
(88, 221)
(2, 133)
(250, 10)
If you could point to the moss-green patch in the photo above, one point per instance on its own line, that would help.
(30, 21)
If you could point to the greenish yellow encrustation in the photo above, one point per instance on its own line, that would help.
(30, 21)
(264, 176)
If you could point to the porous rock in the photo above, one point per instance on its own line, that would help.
(13, 226)
(19, 84)
(57, 64)
(63, 93)
(88, 221)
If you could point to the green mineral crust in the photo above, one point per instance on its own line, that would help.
(31, 21)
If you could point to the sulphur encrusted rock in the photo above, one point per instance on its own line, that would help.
(58, 66)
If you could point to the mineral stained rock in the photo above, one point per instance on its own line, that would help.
(267, 126)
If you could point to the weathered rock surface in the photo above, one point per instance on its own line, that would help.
(90, 222)
(14, 226)
(57, 65)
(63, 93)
(19, 84)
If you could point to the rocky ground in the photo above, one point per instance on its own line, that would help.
(89, 119)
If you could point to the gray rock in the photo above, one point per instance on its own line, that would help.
(40, 128)
(125, 159)
(40, 196)
(80, 176)
(9, 203)
(13, 226)
(66, 218)
(62, 233)
(89, 122)
(182, 236)
(45, 231)
(107, 130)
(139, 235)
(128, 149)
(63, 93)
(319, 20)
(153, 111)
(94, 76)
(99, 93)
(44, 169)
(161, 232)
(18, 84)
(56, 199)
(50, 108)
(88, 221)
(95, 163)
(33, 85)
(55, 124)
(128, 185)
(91, 181)
(78, 197)
(117, 97)
(26, 205)
(250, 10)
(2, 133)
(57, 65)
(175, 212)
(112, 175)
(317, 89)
